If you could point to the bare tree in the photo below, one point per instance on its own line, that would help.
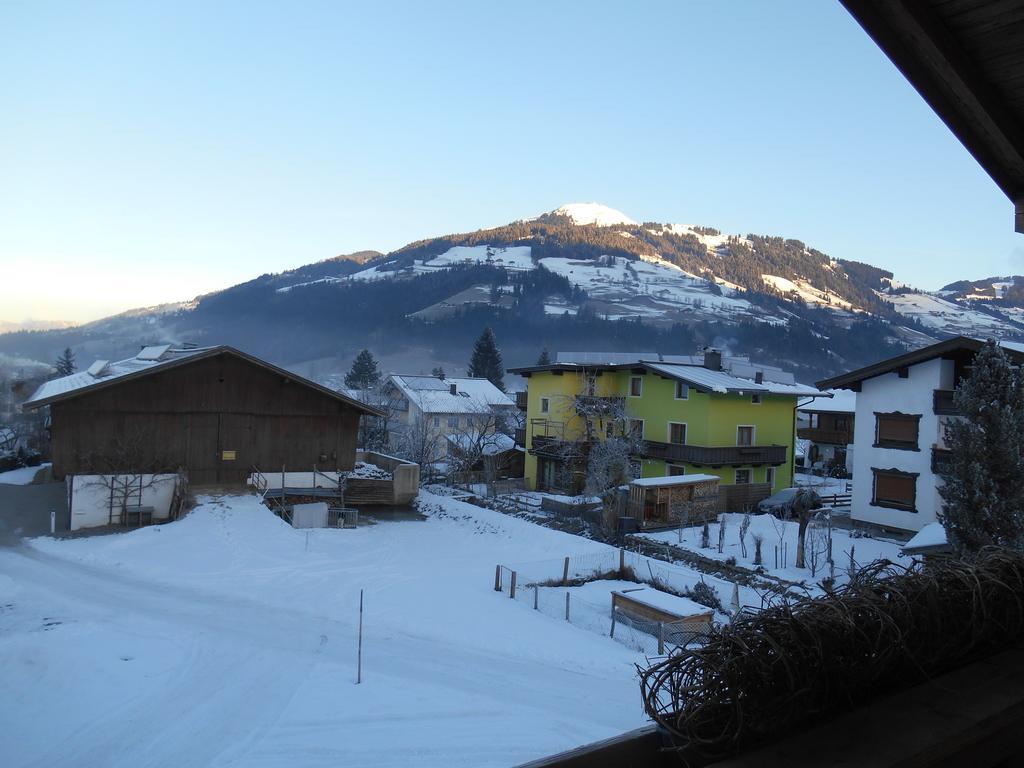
(758, 538)
(481, 440)
(420, 443)
(744, 527)
(805, 504)
(126, 467)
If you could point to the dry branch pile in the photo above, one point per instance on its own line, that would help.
(768, 673)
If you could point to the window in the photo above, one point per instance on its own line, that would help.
(682, 390)
(545, 404)
(815, 420)
(742, 476)
(636, 386)
(744, 436)
(453, 422)
(437, 421)
(677, 433)
(842, 423)
(894, 489)
(636, 428)
(769, 477)
(896, 430)
(674, 470)
(756, 398)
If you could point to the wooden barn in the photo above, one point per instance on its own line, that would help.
(215, 412)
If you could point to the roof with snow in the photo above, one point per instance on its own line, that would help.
(673, 480)
(433, 395)
(929, 540)
(950, 348)
(738, 374)
(149, 360)
(842, 401)
(682, 607)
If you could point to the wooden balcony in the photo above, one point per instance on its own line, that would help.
(942, 401)
(555, 447)
(940, 459)
(739, 455)
(520, 435)
(829, 436)
(521, 398)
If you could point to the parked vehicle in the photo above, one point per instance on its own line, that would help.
(780, 503)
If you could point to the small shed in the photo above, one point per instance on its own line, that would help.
(662, 502)
(672, 619)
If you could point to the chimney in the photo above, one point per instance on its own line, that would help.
(712, 359)
(759, 377)
(453, 389)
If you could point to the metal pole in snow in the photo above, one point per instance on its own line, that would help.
(359, 660)
(53, 522)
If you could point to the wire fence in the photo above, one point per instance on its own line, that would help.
(552, 587)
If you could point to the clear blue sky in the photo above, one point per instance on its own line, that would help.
(150, 154)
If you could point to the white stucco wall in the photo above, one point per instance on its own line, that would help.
(90, 499)
(913, 395)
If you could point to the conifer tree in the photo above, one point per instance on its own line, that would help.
(438, 373)
(545, 357)
(983, 486)
(364, 374)
(486, 360)
(65, 364)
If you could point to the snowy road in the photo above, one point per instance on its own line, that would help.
(198, 644)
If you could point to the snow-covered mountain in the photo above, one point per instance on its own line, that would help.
(592, 213)
(578, 275)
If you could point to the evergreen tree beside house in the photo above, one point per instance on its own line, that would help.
(365, 373)
(65, 363)
(983, 478)
(485, 362)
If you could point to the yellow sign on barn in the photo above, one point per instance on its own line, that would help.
(228, 455)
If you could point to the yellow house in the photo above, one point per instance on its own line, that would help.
(729, 418)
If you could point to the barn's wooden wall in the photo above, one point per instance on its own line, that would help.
(192, 413)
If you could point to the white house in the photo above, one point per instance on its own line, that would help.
(449, 407)
(903, 404)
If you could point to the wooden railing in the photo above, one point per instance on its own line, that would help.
(830, 436)
(715, 456)
(942, 403)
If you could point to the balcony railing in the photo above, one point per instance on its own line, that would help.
(520, 435)
(557, 448)
(830, 436)
(942, 400)
(716, 457)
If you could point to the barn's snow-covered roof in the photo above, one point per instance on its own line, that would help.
(433, 395)
(103, 371)
(158, 357)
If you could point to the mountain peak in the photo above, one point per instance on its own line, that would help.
(593, 213)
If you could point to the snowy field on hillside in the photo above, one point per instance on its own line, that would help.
(227, 639)
(778, 534)
(940, 314)
(20, 476)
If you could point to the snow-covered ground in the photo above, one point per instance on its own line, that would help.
(20, 476)
(226, 639)
(778, 533)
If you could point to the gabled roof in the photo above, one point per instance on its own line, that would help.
(149, 360)
(697, 376)
(949, 347)
(433, 395)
